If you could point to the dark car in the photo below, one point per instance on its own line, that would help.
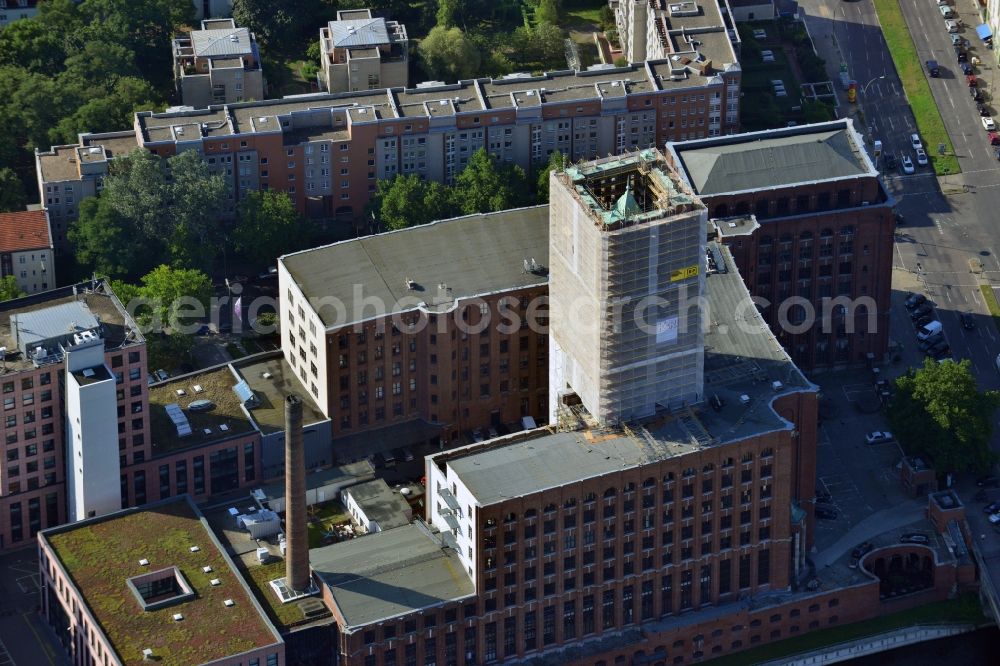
(988, 481)
(924, 345)
(914, 300)
(915, 537)
(961, 55)
(976, 94)
(968, 321)
(966, 68)
(890, 161)
(998, 154)
(923, 321)
(940, 350)
(826, 513)
(983, 111)
(932, 68)
(992, 507)
(921, 310)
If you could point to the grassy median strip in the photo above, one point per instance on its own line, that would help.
(918, 93)
(990, 298)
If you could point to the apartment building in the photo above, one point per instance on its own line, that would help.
(820, 251)
(362, 52)
(328, 151)
(116, 593)
(26, 250)
(217, 64)
(659, 29)
(415, 334)
(74, 367)
(12, 10)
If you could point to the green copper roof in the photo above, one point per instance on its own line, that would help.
(627, 206)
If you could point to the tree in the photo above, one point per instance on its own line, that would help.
(407, 201)
(938, 411)
(165, 287)
(484, 187)
(196, 199)
(105, 242)
(9, 288)
(556, 162)
(12, 196)
(272, 21)
(547, 12)
(137, 189)
(449, 55)
(268, 226)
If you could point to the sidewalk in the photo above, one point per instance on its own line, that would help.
(871, 527)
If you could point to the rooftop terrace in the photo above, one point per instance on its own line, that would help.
(224, 419)
(486, 254)
(100, 554)
(773, 158)
(391, 573)
(743, 360)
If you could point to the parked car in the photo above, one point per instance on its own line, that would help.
(971, 80)
(921, 310)
(988, 124)
(826, 513)
(924, 345)
(992, 507)
(994, 519)
(162, 375)
(982, 110)
(966, 68)
(993, 138)
(914, 300)
(997, 153)
(955, 39)
(915, 141)
(946, 11)
(951, 26)
(976, 94)
(939, 350)
(921, 157)
(878, 437)
(968, 321)
(907, 165)
(890, 161)
(923, 321)
(915, 537)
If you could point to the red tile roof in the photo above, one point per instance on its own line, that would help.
(24, 230)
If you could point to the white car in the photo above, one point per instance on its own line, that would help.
(989, 124)
(915, 141)
(907, 165)
(921, 157)
(878, 437)
(951, 26)
(995, 518)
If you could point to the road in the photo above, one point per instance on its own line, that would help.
(949, 221)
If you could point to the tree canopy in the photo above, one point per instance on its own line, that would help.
(12, 196)
(939, 411)
(449, 55)
(9, 288)
(107, 243)
(556, 161)
(165, 293)
(483, 186)
(268, 226)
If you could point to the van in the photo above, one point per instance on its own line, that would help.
(928, 330)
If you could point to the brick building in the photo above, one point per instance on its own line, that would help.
(823, 237)
(395, 336)
(12, 10)
(26, 250)
(217, 64)
(362, 52)
(328, 151)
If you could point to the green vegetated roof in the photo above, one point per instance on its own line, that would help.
(100, 555)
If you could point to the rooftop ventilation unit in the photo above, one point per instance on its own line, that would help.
(144, 562)
(147, 654)
(179, 419)
(178, 617)
(777, 386)
(229, 603)
(206, 569)
(234, 38)
(223, 427)
(266, 375)
(194, 549)
(215, 582)
(198, 388)
(88, 372)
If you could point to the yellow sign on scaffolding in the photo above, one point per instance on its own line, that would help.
(684, 273)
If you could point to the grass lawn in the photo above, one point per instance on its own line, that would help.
(963, 610)
(990, 298)
(918, 93)
(259, 577)
(577, 12)
(328, 514)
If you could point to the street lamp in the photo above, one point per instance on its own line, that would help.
(864, 90)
